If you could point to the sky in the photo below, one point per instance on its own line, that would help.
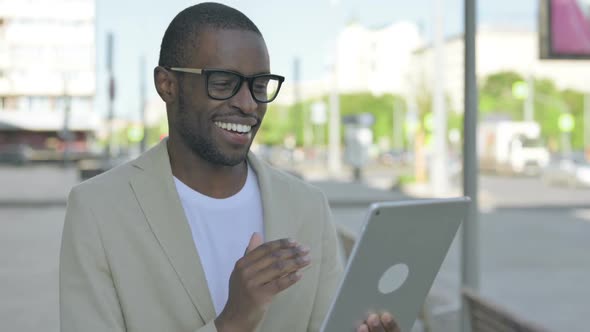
(306, 29)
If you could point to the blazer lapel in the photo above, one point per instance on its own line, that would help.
(280, 221)
(156, 192)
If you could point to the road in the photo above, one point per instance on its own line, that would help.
(534, 253)
(30, 240)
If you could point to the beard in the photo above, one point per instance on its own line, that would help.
(203, 145)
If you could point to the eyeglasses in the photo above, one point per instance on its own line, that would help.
(224, 84)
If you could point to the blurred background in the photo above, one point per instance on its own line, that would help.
(372, 109)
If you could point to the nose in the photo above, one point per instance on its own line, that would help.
(244, 100)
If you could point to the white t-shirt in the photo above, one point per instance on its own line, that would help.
(221, 230)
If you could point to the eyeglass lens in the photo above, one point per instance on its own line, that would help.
(224, 85)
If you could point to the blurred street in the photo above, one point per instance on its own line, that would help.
(534, 247)
(380, 102)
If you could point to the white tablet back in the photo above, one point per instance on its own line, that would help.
(395, 260)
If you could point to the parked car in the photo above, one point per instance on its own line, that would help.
(572, 171)
(396, 157)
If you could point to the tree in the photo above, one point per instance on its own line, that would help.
(381, 107)
(278, 122)
(282, 120)
(575, 101)
(496, 98)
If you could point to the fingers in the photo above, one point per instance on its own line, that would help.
(374, 323)
(277, 285)
(265, 270)
(280, 257)
(272, 266)
(265, 249)
(281, 263)
(389, 323)
(383, 323)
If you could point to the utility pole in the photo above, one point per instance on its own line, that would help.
(398, 124)
(587, 125)
(300, 112)
(438, 168)
(142, 102)
(334, 155)
(111, 89)
(66, 133)
(529, 106)
(470, 228)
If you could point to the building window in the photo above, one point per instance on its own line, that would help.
(40, 104)
(11, 103)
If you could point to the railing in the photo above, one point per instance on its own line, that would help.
(488, 317)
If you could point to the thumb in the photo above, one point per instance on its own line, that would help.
(255, 241)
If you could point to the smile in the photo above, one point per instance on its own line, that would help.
(235, 127)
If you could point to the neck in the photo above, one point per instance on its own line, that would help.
(213, 180)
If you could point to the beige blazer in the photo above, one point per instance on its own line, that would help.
(129, 263)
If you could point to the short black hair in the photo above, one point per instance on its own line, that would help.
(183, 32)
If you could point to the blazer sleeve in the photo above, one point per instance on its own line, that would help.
(87, 296)
(330, 271)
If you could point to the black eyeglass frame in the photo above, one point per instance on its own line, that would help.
(248, 78)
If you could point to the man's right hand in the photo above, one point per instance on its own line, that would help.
(264, 271)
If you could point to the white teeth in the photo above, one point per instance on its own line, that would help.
(240, 128)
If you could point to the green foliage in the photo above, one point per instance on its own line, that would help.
(575, 101)
(281, 120)
(495, 98)
(424, 101)
(405, 179)
(382, 108)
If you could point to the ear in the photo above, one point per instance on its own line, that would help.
(166, 84)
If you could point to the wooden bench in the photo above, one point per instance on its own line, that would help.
(485, 316)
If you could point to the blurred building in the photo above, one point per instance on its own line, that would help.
(375, 60)
(372, 60)
(498, 49)
(47, 74)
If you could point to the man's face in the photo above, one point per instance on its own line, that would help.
(207, 126)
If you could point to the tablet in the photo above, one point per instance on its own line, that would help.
(395, 260)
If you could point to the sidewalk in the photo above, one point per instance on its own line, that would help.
(379, 183)
(349, 194)
(37, 185)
